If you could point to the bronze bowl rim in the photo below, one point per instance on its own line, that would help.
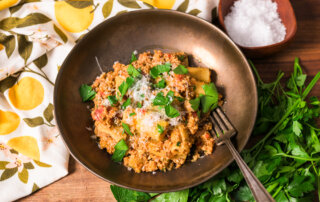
(167, 12)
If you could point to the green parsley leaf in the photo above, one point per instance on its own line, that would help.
(160, 84)
(210, 89)
(244, 194)
(171, 111)
(169, 97)
(133, 71)
(160, 129)
(181, 57)
(297, 127)
(178, 196)
(159, 99)
(126, 129)
(125, 85)
(132, 114)
(180, 99)
(195, 103)
(128, 195)
(120, 151)
(178, 144)
(301, 79)
(180, 70)
(300, 184)
(208, 103)
(133, 58)
(86, 92)
(159, 69)
(139, 105)
(126, 103)
(112, 99)
(142, 95)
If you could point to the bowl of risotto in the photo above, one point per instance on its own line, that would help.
(133, 97)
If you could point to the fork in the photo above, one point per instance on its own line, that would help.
(224, 131)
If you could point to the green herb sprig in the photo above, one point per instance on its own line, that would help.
(86, 92)
(161, 100)
(120, 151)
(159, 69)
(132, 71)
(207, 102)
(126, 129)
(181, 69)
(125, 85)
(133, 58)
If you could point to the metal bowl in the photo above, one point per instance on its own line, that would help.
(114, 40)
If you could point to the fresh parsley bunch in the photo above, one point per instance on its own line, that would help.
(286, 159)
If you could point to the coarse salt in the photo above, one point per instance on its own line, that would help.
(253, 23)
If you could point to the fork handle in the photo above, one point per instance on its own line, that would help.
(257, 189)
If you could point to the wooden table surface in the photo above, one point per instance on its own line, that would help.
(81, 185)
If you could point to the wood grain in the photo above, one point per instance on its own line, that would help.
(81, 185)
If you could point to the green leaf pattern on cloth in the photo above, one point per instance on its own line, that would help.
(34, 41)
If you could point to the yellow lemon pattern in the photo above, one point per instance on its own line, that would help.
(73, 19)
(25, 145)
(162, 4)
(32, 56)
(9, 121)
(7, 3)
(26, 94)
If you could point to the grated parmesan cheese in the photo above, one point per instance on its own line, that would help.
(175, 121)
(141, 91)
(106, 102)
(150, 120)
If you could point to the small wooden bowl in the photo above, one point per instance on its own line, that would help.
(287, 16)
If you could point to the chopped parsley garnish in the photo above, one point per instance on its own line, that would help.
(170, 96)
(178, 144)
(210, 89)
(125, 85)
(171, 111)
(132, 114)
(159, 69)
(133, 58)
(160, 129)
(126, 129)
(180, 99)
(86, 92)
(181, 57)
(160, 84)
(126, 103)
(159, 99)
(209, 101)
(195, 103)
(120, 151)
(180, 70)
(142, 95)
(112, 99)
(132, 71)
(139, 105)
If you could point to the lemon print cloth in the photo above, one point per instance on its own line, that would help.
(35, 37)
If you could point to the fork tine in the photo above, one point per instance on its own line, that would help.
(217, 130)
(220, 122)
(225, 119)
